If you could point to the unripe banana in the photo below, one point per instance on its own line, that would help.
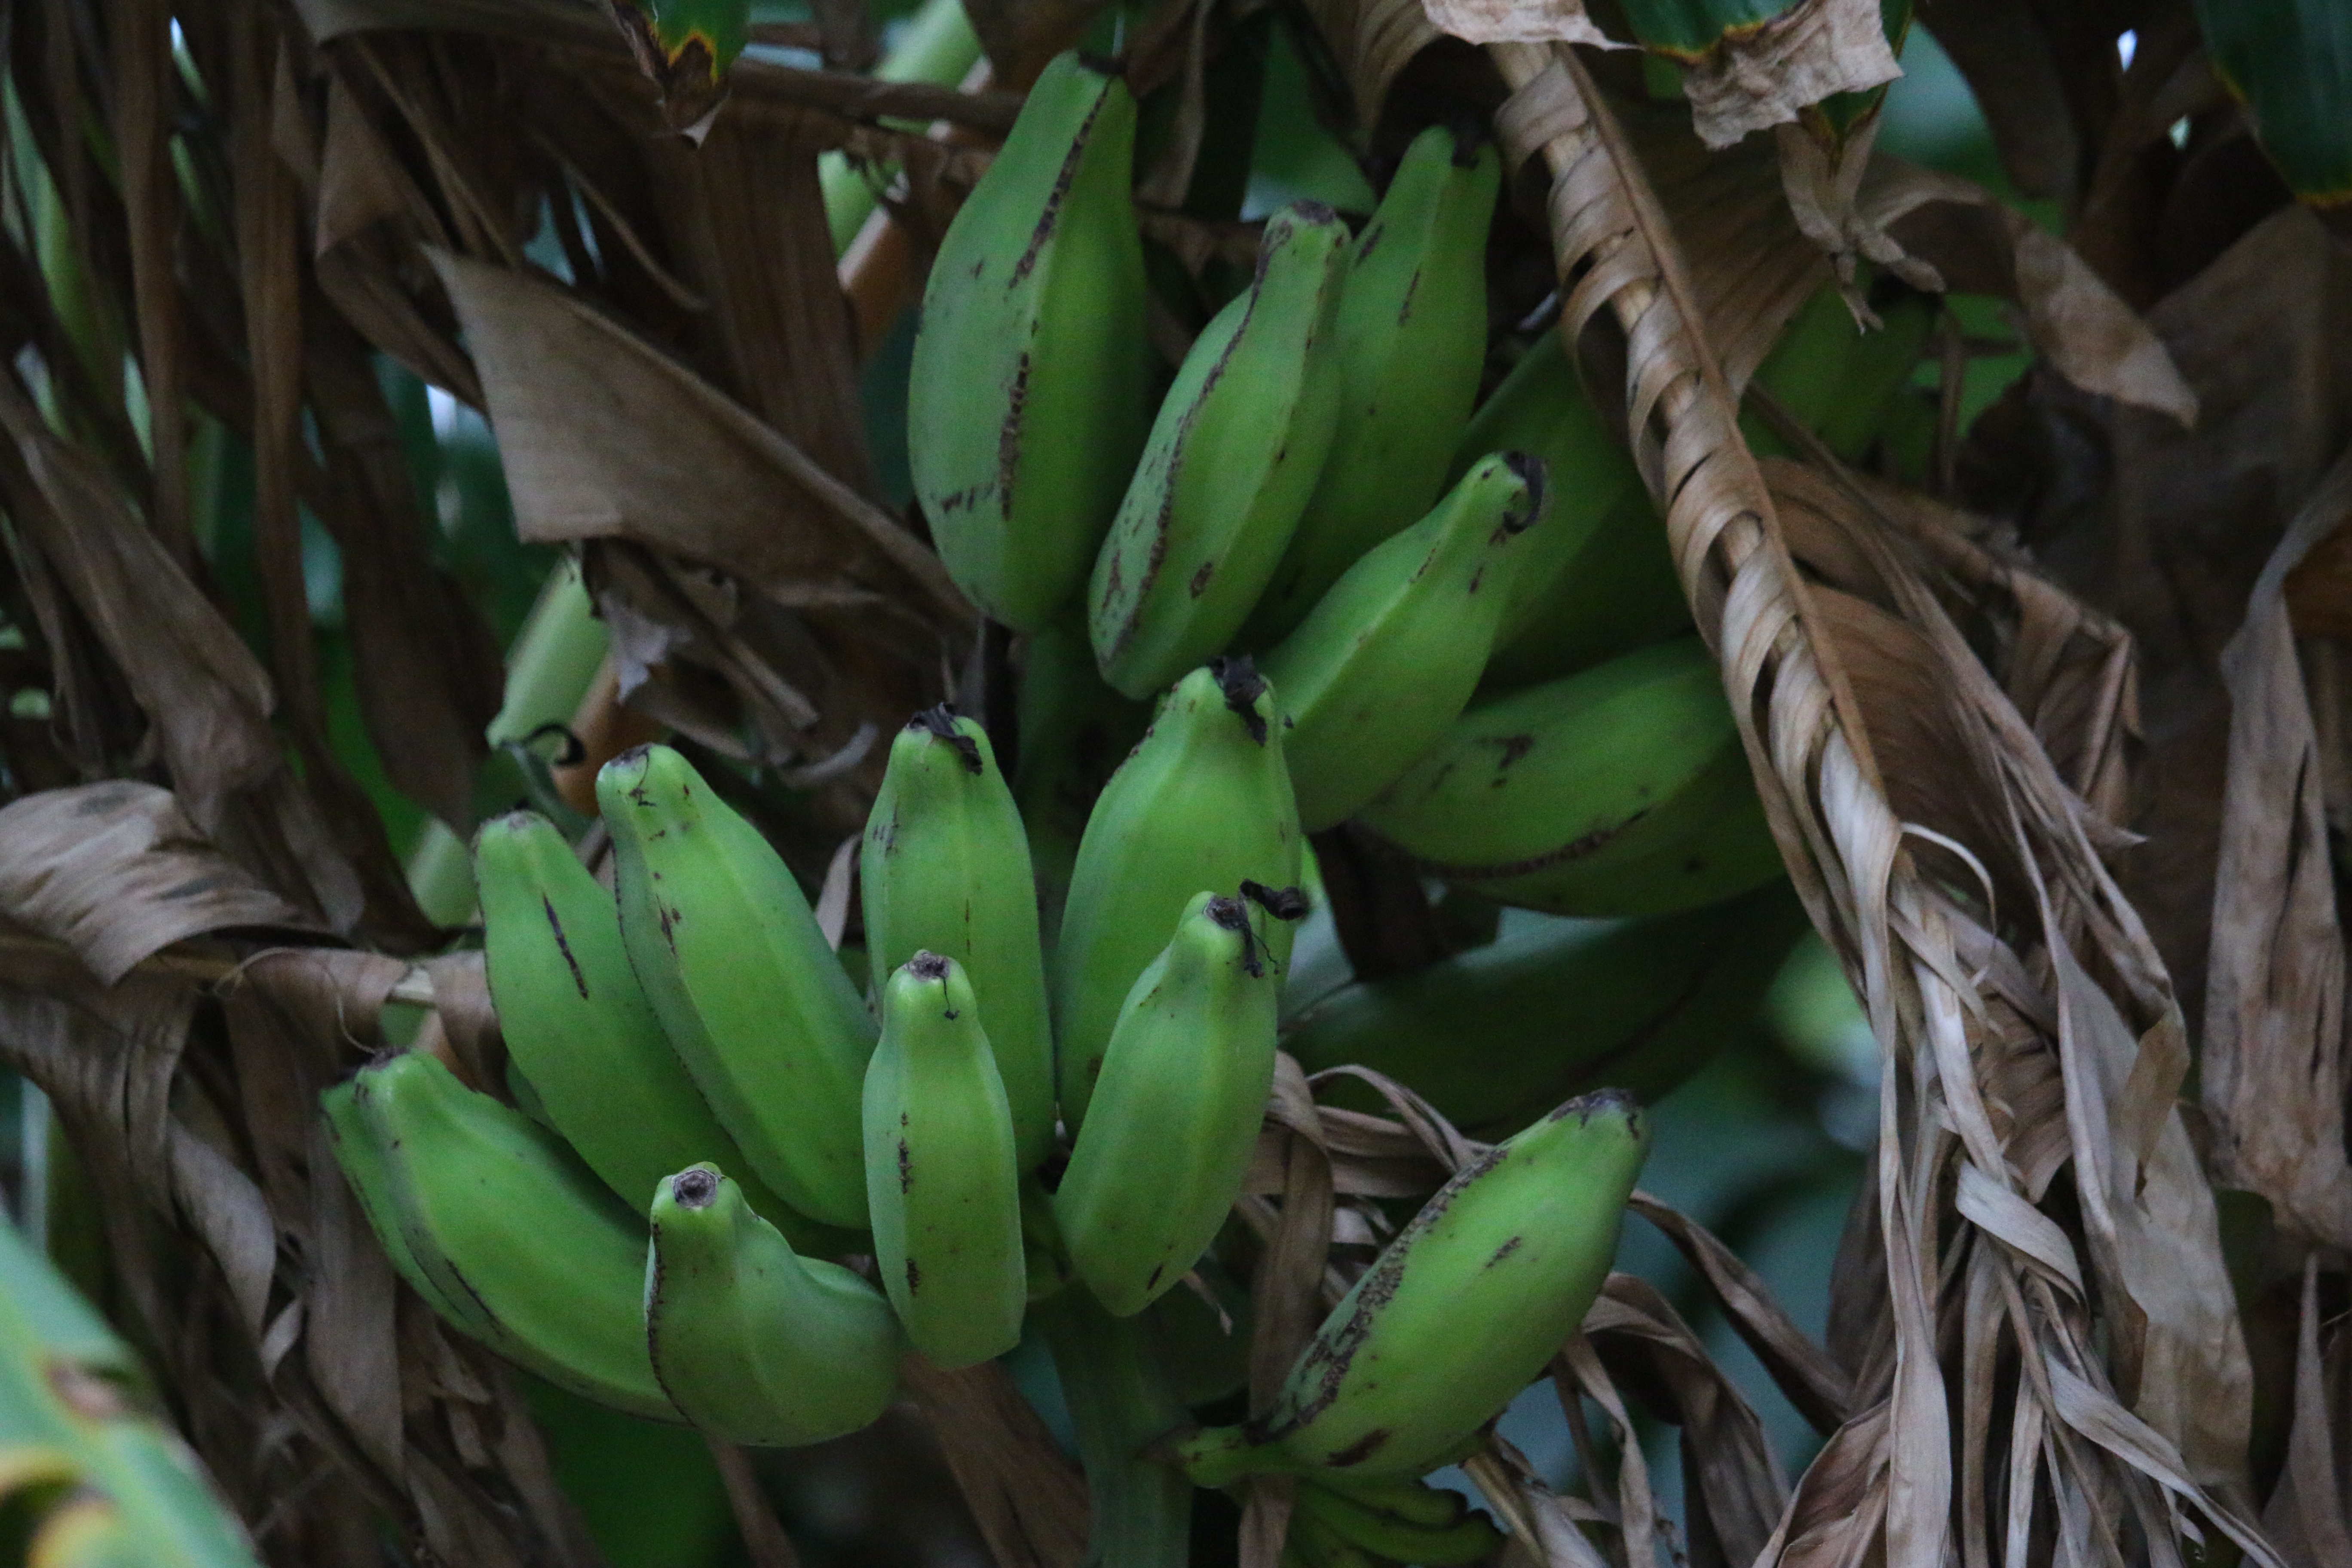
(753, 1343)
(944, 867)
(1402, 1522)
(1410, 339)
(1458, 1313)
(942, 1182)
(1496, 1037)
(1622, 790)
(750, 995)
(1026, 404)
(1203, 802)
(1597, 579)
(1389, 657)
(1175, 1113)
(360, 1155)
(578, 1029)
(1233, 457)
(522, 1248)
(1075, 731)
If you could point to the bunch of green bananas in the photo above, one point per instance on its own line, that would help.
(742, 1191)
(1463, 614)
(741, 1186)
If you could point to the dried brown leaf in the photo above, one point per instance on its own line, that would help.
(603, 437)
(118, 872)
(2079, 324)
(1761, 76)
(1028, 1499)
(1518, 22)
(2274, 1050)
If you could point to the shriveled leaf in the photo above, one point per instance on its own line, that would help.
(1751, 64)
(117, 871)
(603, 437)
(2274, 1063)
(1027, 1497)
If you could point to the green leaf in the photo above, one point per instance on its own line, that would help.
(2290, 62)
(103, 1481)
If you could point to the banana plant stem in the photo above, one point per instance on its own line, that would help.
(1120, 1403)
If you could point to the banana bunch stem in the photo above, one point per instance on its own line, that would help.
(1121, 1404)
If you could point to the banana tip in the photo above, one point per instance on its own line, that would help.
(927, 965)
(1238, 679)
(1531, 473)
(1601, 1102)
(696, 1187)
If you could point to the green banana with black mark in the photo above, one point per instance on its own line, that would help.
(1389, 657)
(944, 867)
(748, 990)
(1459, 1313)
(1233, 457)
(1622, 790)
(1205, 800)
(1026, 403)
(754, 1343)
(1409, 342)
(581, 1040)
(1174, 1116)
(942, 1181)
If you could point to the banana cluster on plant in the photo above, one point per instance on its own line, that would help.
(741, 1186)
(1313, 492)
(716, 1114)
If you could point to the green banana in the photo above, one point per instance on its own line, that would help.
(1389, 657)
(1174, 1115)
(1622, 790)
(579, 1030)
(753, 1343)
(1026, 402)
(1457, 1314)
(1495, 1036)
(515, 1240)
(942, 1184)
(1410, 340)
(1205, 800)
(1073, 730)
(1232, 458)
(1323, 1546)
(944, 867)
(1402, 1522)
(752, 996)
(1597, 579)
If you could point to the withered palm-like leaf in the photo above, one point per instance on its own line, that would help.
(1827, 683)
